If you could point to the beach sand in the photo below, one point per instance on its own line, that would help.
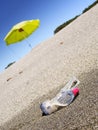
(48, 67)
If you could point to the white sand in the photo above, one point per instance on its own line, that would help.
(49, 65)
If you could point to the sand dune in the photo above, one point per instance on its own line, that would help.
(42, 72)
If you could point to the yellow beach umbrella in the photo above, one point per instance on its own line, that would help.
(21, 31)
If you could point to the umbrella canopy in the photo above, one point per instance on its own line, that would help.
(21, 31)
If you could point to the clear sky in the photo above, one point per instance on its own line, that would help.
(51, 14)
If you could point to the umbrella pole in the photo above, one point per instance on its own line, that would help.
(28, 44)
(27, 40)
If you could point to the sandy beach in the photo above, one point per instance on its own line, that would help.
(48, 67)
